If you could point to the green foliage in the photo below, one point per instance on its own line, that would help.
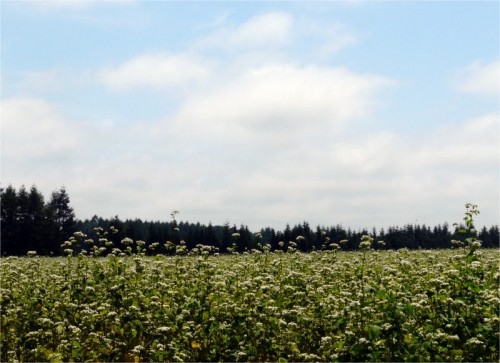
(108, 301)
(468, 233)
(28, 223)
(260, 306)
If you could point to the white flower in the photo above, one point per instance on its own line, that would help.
(474, 341)
(74, 329)
(363, 341)
(326, 339)
(138, 349)
(475, 265)
(127, 241)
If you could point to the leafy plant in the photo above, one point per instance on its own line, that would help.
(102, 303)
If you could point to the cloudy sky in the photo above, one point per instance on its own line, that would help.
(263, 113)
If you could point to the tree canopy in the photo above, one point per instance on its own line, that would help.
(28, 223)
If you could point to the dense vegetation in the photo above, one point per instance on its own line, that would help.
(439, 305)
(113, 302)
(28, 223)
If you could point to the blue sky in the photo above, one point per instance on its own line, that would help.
(264, 113)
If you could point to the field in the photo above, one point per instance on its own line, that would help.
(260, 306)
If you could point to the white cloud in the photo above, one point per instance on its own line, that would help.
(274, 35)
(480, 78)
(276, 145)
(468, 147)
(261, 41)
(265, 28)
(41, 80)
(263, 102)
(157, 71)
(357, 179)
(264, 141)
(360, 180)
(33, 130)
(54, 81)
(268, 29)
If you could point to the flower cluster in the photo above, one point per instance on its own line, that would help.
(259, 306)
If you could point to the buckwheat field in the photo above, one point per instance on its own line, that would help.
(439, 305)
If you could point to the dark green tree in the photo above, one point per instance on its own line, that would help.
(37, 224)
(9, 221)
(60, 217)
(23, 222)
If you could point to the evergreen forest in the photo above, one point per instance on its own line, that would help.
(30, 223)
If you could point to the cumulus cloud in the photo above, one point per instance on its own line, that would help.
(377, 178)
(327, 178)
(480, 78)
(265, 101)
(158, 71)
(264, 142)
(276, 145)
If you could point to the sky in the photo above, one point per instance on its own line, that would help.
(355, 113)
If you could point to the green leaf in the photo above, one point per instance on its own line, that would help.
(374, 331)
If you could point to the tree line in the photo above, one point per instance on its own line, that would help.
(29, 223)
